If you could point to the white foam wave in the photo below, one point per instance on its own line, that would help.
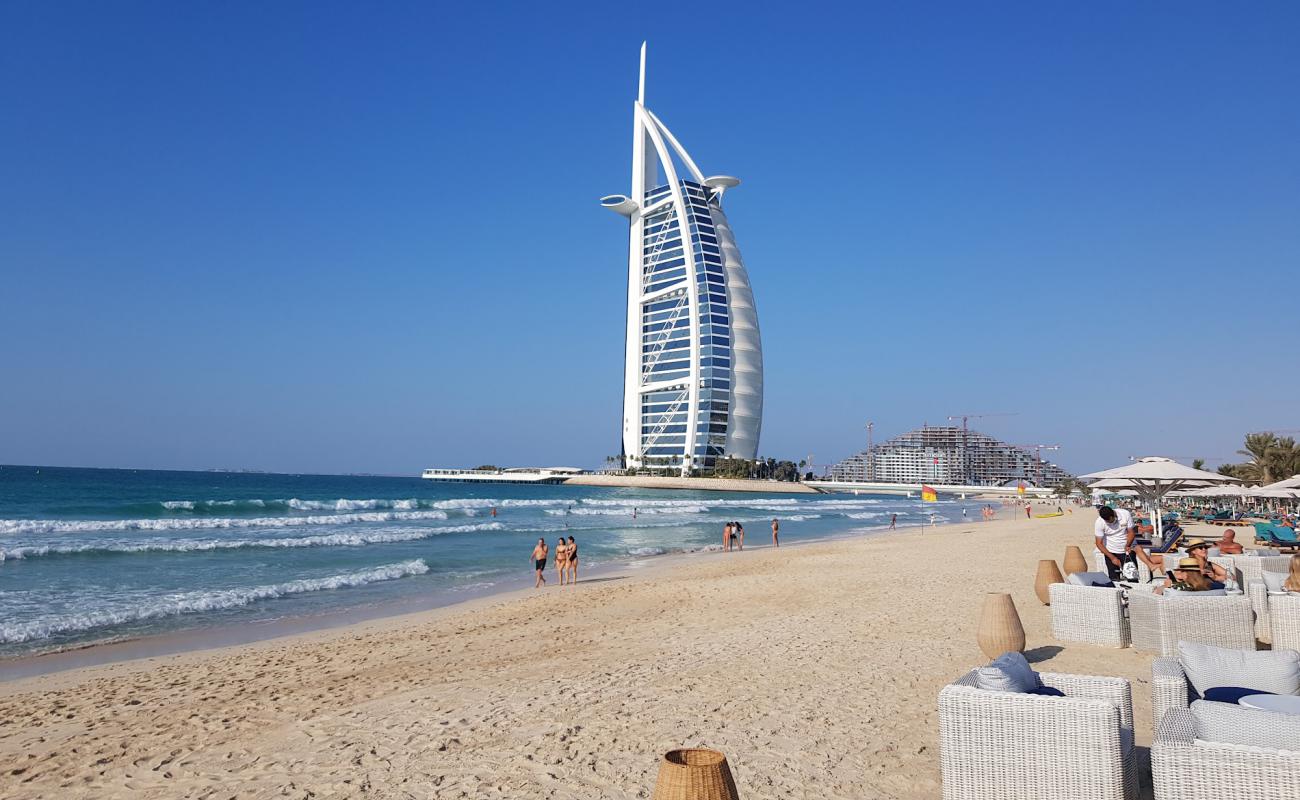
(27, 526)
(209, 545)
(646, 551)
(627, 511)
(198, 602)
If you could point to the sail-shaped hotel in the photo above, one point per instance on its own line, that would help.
(693, 381)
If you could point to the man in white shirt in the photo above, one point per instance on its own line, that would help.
(1115, 532)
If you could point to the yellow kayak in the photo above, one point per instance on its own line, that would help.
(1045, 516)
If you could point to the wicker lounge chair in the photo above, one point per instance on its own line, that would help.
(1284, 621)
(1170, 688)
(1089, 614)
(1183, 768)
(1009, 746)
(1159, 622)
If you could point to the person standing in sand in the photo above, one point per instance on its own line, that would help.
(726, 537)
(539, 563)
(561, 559)
(776, 528)
(572, 561)
(739, 533)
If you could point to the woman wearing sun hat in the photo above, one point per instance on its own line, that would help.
(1187, 577)
(1199, 549)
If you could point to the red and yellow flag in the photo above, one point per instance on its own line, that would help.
(1020, 488)
(928, 494)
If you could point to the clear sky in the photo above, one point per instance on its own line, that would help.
(365, 236)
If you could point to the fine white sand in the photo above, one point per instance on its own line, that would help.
(814, 668)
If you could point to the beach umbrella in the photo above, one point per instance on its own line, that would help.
(1292, 482)
(1153, 478)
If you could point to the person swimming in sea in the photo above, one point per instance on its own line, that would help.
(539, 563)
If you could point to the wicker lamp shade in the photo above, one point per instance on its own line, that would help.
(1000, 629)
(695, 774)
(1048, 574)
(1074, 560)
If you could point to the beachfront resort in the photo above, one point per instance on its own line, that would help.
(335, 245)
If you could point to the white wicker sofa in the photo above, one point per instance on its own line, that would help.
(1188, 763)
(1007, 746)
(1276, 671)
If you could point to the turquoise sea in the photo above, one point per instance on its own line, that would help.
(90, 555)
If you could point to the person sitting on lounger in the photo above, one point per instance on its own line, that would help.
(1292, 582)
(1228, 544)
(1199, 549)
(1187, 577)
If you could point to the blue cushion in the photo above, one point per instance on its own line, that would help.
(1052, 691)
(1106, 585)
(1230, 694)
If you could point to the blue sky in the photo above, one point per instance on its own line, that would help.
(365, 237)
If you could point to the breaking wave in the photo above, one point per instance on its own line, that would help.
(209, 545)
(199, 601)
(19, 526)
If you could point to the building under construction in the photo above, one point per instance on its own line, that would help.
(948, 455)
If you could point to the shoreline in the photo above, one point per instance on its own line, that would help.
(234, 634)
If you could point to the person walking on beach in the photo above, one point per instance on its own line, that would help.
(539, 563)
(893, 522)
(726, 537)
(561, 559)
(573, 561)
(776, 528)
(1027, 514)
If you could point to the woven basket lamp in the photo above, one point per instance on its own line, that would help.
(695, 774)
(1000, 629)
(1074, 560)
(1048, 574)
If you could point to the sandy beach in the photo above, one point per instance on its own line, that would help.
(814, 668)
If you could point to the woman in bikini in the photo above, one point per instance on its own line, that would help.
(561, 559)
(539, 563)
(572, 554)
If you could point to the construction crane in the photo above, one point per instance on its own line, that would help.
(965, 459)
(1038, 449)
(870, 472)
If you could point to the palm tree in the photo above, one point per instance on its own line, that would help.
(1198, 463)
(1257, 450)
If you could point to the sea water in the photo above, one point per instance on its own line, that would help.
(91, 555)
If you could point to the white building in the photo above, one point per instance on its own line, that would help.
(693, 381)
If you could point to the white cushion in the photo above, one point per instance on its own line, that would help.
(1274, 580)
(1009, 672)
(1207, 666)
(1232, 724)
(1088, 578)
